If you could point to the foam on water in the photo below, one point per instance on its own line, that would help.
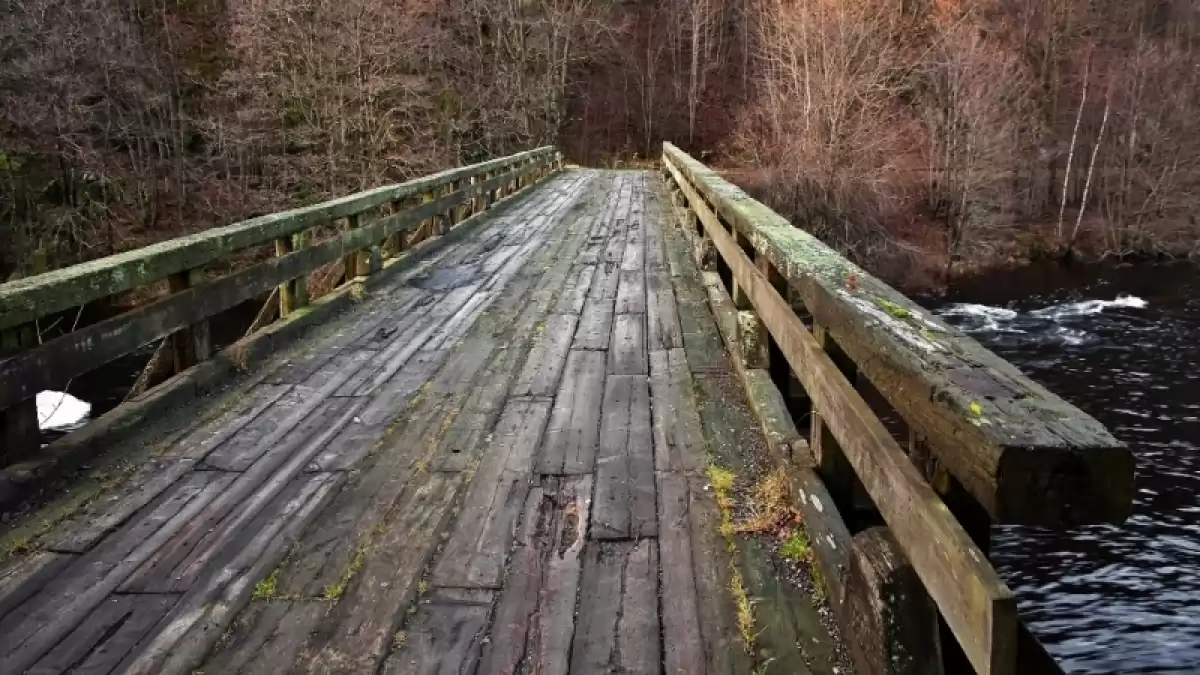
(982, 318)
(972, 318)
(969, 309)
(60, 410)
(1088, 307)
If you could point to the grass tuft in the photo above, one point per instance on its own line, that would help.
(771, 508)
(335, 591)
(723, 481)
(745, 610)
(266, 589)
(796, 547)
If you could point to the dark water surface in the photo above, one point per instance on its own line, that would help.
(1123, 344)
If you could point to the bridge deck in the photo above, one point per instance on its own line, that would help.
(494, 464)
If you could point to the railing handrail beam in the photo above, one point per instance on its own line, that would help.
(28, 299)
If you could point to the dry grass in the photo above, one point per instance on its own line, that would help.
(771, 508)
(723, 482)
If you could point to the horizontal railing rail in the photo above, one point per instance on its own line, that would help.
(377, 225)
(25, 300)
(983, 433)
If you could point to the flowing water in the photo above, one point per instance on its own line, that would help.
(1122, 344)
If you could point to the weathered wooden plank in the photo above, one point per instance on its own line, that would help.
(186, 557)
(175, 564)
(243, 448)
(443, 639)
(457, 326)
(619, 631)
(574, 430)
(267, 636)
(415, 338)
(106, 636)
(373, 601)
(656, 257)
(683, 644)
(541, 582)
(474, 554)
(551, 642)
(319, 560)
(24, 575)
(356, 438)
(772, 413)
(724, 312)
(48, 616)
(678, 439)
(110, 509)
(25, 300)
(635, 253)
(1025, 454)
(631, 292)
(724, 651)
(891, 625)
(595, 325)
(464, 441)
(372, 332)
(662, 315)
(705, 351)
(625, 499)
(614, 251)
(488, 394)
(576, 291)
(465, 362)
(627, 353)
(179, 563)
(543, 368)
(606, 282)
(977, 605)
(199, 442)
(827, 532)
(201, 616)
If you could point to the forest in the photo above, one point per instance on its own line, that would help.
(925, 138)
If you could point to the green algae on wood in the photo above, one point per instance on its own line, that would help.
(930, 373)
(25, 300)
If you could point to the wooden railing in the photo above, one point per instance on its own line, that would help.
(977, 442)
(378, 226)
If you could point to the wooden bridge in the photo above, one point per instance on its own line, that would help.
(488, 449)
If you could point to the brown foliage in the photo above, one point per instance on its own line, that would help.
(922, 137)
(930, 138)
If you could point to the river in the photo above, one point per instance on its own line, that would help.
(1122, 344)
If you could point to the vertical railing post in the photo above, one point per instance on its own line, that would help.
(190, 345)
(461, 211)
(445, 219)
(19, 430)
(394, 244)
(299, 285)
(831, 461)
(427, 225)
(287, 290)
(740, 299)
(350, 262)
(702, 244)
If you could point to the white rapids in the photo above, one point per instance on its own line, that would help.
(59, 410)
